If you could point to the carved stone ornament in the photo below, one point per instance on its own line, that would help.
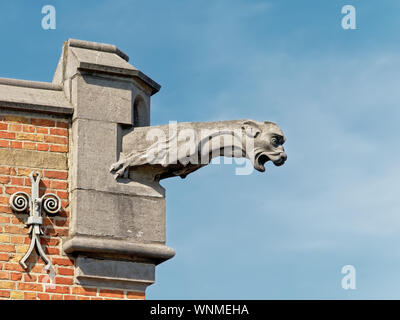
(182, 148)
(50, 203)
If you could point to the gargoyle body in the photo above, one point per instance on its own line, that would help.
(179, 149)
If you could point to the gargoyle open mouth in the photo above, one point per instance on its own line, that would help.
(263, 157)
(260, 161)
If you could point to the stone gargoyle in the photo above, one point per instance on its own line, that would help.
(178, 149)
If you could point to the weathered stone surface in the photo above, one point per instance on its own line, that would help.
(135, 218)
(98, 98)
(120, 274)
(33, 159)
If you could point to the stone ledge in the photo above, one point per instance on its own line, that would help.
(21, 106)
(31, 84)
(116, 274)
(98, 47)
(154, 252)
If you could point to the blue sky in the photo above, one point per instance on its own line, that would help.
(287, 233)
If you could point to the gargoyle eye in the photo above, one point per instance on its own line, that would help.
(275, 141)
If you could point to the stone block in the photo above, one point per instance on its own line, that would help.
(104, 99)
(114, 273)
(118, 216)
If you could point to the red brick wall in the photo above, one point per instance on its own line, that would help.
(48, 135)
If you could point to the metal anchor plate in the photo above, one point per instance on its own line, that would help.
(50, 203)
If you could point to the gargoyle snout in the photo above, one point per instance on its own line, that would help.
(281, 160)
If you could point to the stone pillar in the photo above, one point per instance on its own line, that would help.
(117, 227)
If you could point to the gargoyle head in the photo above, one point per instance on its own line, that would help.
(268, 144)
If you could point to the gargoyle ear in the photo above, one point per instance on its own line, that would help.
(251, 128)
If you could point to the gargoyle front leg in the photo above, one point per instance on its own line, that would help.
(120, 168)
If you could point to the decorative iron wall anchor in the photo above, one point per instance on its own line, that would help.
(51, 203)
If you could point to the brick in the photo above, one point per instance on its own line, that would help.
(12, 190)
(4, 275)
(16, 230)
(16, 276)
(63, 194)
(63, 261)
(56, 297)
(24, 172)
(61, 232)
(42, 147)
(111, 293)
(4, 143)
(3, 126)
(52, 251)
(5, 170)
(18, 240)
(38, 267)
(52, 139)
(17, 181)
(30, 278)
(7, 135)
(43, 296)
(7, 285)
(16, 119)
(62, 223)
(59, 132)
(5, 209)
(29, 296)
(42, 130)
(83, 298)
(4, 200)
(68, 297)
(62, 280)
(30, 287)
(4, 293)
(15, 220)
(43, 122)
(84, 291)
(65, 271)
(61, 175)
(17, 295)
(29, 146)
(61, 149)
(7, 248)
(28, 128)
(4, 257)
(47, 221)
(30, 137)
(135, 295)
(16, 144)
(13, 267)
(61, 185)
(15, 258)
(50, 241)
(58, 289)
(64, 125)
(4, 219)
(15, 127)
(4, 238)
(4, 179)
